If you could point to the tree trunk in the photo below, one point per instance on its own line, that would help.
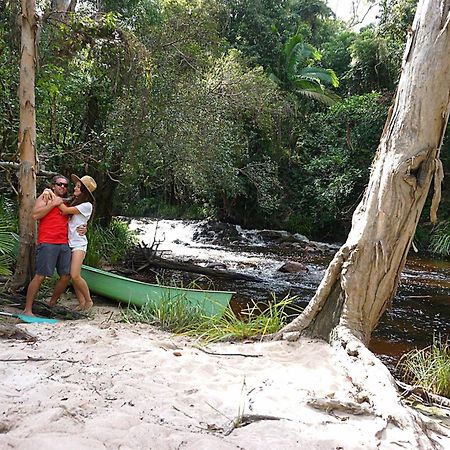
(362, 279)
(27, 146)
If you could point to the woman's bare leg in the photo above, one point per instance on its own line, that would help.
(80, 286)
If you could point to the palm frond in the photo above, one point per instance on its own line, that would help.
(326, 97)
(8, 244)
(327, 76)
(274, 78)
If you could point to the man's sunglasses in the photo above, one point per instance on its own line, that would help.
(61, 184)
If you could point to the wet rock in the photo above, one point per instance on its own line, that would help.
(300, 238)
(283, 236)
(293, 267)
(217, 233)
(275, 235)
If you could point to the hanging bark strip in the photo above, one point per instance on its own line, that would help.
(362, 279)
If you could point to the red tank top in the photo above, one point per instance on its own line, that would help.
(53, 228)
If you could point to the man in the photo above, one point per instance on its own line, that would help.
(52, 249)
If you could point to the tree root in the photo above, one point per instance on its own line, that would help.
(10, 331)
(331, 405)
(247, 419)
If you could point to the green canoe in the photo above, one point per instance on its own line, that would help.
(126, 290)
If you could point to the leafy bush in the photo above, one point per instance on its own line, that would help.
(331, 163)
(108, 245)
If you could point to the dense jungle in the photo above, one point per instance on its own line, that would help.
(261, 113)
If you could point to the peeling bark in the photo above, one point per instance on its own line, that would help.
(27, 146)
(362, 279)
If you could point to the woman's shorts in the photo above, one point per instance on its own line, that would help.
(82, 248)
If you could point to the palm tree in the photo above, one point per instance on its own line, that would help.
(299, 74)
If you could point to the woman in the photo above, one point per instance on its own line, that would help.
(81, 209)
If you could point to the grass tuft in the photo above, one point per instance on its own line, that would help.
(176, 316)
(169, 314)
(428, 368)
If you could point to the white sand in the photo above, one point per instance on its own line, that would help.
(108, 385)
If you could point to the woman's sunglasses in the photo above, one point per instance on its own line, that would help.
(61, 184)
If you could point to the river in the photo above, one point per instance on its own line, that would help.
(419, 312)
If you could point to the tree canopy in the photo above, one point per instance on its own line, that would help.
(262, 113)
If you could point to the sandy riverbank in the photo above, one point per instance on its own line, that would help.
(100, 384)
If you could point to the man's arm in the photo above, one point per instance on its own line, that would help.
(42, 207)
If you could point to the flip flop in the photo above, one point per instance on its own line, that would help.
(29, 319)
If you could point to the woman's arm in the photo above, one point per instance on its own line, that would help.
(68, 209)
(44, 204)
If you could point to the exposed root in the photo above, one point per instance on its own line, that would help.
(293, 330)
(373, 381)
(247, 419)
(10, 331)
(331, 405)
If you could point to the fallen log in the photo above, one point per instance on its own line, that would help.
(153, 260)
(162, 263)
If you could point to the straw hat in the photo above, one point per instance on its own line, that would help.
(87, 181)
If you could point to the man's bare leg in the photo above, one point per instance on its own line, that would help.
(32, 291)
(60, 287)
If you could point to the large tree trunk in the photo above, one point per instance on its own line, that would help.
(27, 146)
(362, 279)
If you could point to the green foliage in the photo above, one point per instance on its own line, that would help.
(428, 368)
(8, 237)
(440, 239)
(176, 316)
(254, 321)
(259, 28)
(107, 245)
(9, 75)
(169, 105)
(201, 148)
(372, 65)
(299, 73)
(330, 164)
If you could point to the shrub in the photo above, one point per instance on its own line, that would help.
(108, 245)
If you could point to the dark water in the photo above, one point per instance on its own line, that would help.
(419, 312)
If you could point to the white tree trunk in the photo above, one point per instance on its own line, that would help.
(362, 279)
(27, 145)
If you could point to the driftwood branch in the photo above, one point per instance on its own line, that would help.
(161, 263)
(10, 331)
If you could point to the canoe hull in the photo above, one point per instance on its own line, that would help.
(128, 291)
